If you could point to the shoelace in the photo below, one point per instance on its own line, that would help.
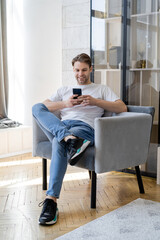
(73, 143)
(47, 207)
(70, 145)
(41, 203)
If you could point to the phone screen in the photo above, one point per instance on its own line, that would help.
(77, 91)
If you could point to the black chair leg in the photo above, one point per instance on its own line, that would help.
(93, 189)
(44, 173)
(90, 174)
(139, 179)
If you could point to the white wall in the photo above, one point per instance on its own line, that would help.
(45, 36)
(43, 51)
(39, 65)
(75, 34)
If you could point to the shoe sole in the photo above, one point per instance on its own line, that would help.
(81, 149)
(52, 221)
(75, 158)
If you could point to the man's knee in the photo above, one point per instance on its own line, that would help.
(37, 108)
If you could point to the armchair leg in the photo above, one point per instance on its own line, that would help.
(139, 179)
(44, 173)
(93, 189)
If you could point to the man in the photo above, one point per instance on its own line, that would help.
(71, 135)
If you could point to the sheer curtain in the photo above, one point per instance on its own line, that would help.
(15, 43)
(4, 92)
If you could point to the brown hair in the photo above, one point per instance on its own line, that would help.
(83, 58)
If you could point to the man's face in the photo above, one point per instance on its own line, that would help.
(82, 73)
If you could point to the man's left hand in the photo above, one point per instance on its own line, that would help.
(87, 100)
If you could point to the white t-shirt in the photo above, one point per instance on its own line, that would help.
(79, 112)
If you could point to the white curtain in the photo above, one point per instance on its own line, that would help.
(4, 92)
(15, 43)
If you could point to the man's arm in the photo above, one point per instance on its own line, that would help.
(117, 106)
(54, 106)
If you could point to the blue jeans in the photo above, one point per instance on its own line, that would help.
(56, 130)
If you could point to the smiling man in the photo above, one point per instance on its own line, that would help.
(71, 135)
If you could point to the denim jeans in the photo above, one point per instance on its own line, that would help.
(56, 130)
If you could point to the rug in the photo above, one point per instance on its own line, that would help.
(139, 219)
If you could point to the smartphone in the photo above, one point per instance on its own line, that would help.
(77, 91)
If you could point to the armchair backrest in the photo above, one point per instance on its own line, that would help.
(137, 109)
(108, 114)
(142, 109)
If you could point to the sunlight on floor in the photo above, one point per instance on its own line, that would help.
(20, 162)
(17, 182)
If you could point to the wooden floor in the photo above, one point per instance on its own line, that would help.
(21, 191)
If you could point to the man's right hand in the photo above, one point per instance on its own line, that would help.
(54, 106)
(72, 101)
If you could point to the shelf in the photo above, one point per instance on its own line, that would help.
(144, 14)
(113, 19)
(107, 70)
(144, 69)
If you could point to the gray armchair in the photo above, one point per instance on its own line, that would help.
(121, 141)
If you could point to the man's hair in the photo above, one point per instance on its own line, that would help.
(83, 58)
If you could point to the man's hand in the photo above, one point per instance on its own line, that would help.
(72, 101)
(87, 100)
(116, 106)
(54, 106)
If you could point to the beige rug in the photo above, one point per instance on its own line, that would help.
(138, 220)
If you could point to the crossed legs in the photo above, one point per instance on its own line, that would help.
(56, 131)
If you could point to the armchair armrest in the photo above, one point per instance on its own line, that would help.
(121, 141)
